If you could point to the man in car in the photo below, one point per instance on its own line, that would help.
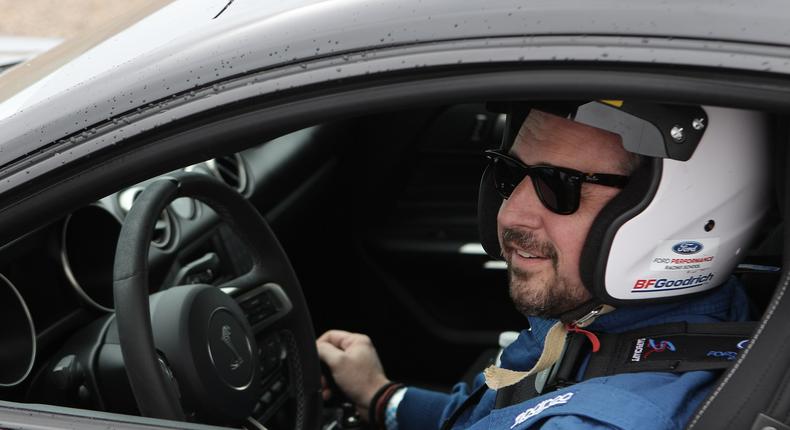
(551, 228)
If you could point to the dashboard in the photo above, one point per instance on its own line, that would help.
(188, 246)
(89, 237)
(56, 282)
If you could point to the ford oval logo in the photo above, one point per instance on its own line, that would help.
(688, 247)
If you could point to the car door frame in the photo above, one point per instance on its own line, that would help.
(37, 187)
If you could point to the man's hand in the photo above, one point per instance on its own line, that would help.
(354, 364)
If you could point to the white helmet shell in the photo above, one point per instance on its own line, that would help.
(704, 212)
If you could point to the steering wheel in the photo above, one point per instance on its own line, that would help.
(194, 352)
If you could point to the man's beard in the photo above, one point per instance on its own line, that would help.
(548, 297)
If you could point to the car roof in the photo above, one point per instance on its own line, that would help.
(188, 44)
(293, 30)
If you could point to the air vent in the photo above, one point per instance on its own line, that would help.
(230, 170)
(164, 230)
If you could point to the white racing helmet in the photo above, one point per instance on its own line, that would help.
(687, 213)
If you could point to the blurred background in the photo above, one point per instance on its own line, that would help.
(58, 18)
(28, 28)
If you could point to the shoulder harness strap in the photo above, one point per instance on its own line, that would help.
(674, 347)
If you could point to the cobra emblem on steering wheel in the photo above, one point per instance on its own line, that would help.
(227, 341)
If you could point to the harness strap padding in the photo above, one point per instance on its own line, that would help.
(497, 377)
(674, 347)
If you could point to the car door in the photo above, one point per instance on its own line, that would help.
(80, 153)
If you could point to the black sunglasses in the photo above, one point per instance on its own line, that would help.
(558, 188)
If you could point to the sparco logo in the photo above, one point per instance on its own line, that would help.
(687, 247)
(540, 407)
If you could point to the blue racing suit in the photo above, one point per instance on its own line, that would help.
(645, 400)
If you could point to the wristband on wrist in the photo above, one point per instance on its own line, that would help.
(378, 404)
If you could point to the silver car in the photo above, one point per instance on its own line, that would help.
(212, 151)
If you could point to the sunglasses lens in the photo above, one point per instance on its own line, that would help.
(507, 176)
(558, 190)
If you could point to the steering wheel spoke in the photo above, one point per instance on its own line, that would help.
(264, 306)
(248, 281)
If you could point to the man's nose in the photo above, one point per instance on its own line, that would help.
(523, 208)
